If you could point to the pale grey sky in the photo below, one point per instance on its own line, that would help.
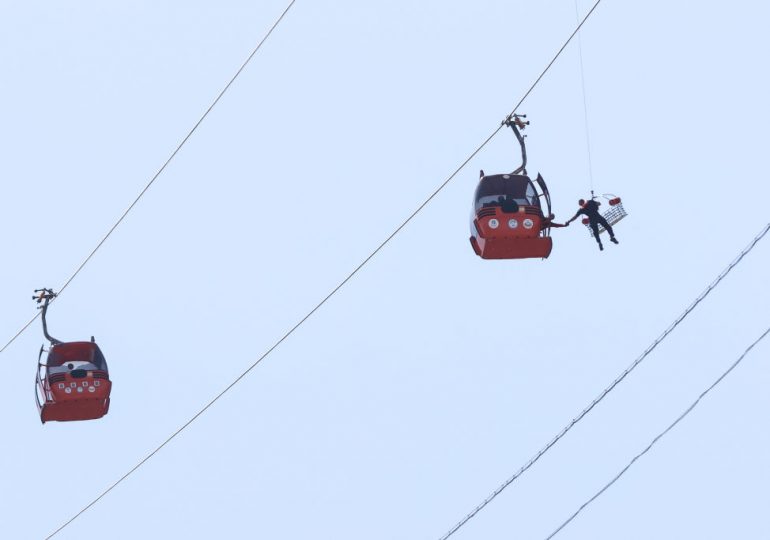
(433, 375)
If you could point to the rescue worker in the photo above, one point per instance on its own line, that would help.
(590, 209)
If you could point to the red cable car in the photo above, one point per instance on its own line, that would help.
(507, 219)
(74, 382)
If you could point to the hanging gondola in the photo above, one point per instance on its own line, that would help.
(507, 218)
(74, 382)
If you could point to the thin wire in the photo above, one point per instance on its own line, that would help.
(270, 350)
(609, 389)
(585, 103)
(569, 39)
(660, 436)
(20, 332)
(425, 203)
(157, 174)
(328, 296)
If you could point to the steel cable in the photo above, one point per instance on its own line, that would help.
(333, 292)
(158, 173)
(609, 389)
(660, 436)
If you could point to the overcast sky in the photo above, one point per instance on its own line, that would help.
(433, 375)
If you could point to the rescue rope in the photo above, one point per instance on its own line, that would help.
(332, 293)
(609, 389)
(158, 173)
(660, 436)
(585, 104)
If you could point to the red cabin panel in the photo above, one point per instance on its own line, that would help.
(513, 248)
(74, 383)
(508, 220)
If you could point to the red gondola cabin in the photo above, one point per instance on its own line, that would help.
(74, 382)
(507, 219)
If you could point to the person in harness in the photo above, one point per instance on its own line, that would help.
(590, 210)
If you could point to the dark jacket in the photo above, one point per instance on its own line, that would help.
(590, 210)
